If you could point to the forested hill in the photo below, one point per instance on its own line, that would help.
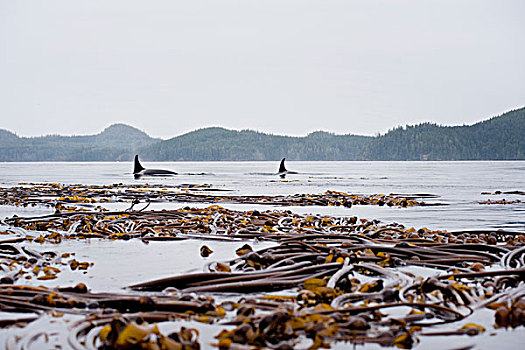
(117, 142)
(499, 138)
(223, 144)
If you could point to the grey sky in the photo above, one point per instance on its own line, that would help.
(280, 66)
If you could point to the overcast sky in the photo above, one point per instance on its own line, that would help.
(280, 66)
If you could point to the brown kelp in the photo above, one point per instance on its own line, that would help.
(63, 197)
(22, 262)
(297, 293)
(322, 280)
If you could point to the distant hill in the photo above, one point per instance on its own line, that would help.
(498, 138)
(222, 144)
(117, 142)
(8, 138)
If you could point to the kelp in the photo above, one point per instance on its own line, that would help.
(216, 222)
(22, 262)
(330, 293)
(324, 280)
(76, 196)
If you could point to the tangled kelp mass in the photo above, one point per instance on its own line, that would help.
(324, 281)
(193, 222)
(24, 262)
(60, 195)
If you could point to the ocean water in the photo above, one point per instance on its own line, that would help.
(117, 264)
(459, 186)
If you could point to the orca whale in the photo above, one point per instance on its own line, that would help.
(282, 169)
(139, 170)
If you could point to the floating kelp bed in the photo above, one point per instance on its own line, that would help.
(215, 222)
(503, 200)
(497, 193)
(292, 295)
(500, 201)
(62, 196)
(17, 262)
(324, 281)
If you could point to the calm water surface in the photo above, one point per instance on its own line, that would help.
(459, 185)
(118, 264)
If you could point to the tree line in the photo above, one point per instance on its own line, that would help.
(498, 138)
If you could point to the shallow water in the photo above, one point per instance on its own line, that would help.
(118, 264)
(459, 184)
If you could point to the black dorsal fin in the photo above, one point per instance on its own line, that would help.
(137, 168)
(282, 168)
